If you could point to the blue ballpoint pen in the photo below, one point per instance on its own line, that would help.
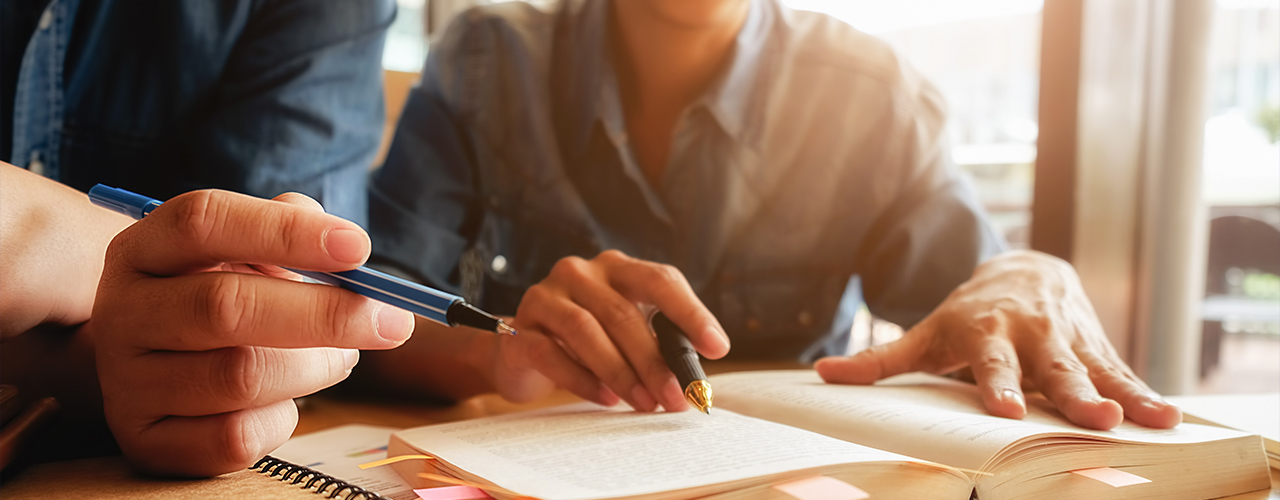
(435, 305)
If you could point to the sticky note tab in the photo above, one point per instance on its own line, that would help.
(1115, 478)
(822, 488)
(451, 493)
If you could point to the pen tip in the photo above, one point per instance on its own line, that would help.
(504, 328)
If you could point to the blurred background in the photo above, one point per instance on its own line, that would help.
(1138, 139)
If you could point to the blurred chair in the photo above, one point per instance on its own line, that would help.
(1244, 244)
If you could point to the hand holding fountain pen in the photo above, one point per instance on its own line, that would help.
(683, 361)
(435, 305)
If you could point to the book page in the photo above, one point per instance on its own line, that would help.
(584, 451)
(920, 415)
(339, 452)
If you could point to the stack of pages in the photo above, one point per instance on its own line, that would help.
(911, 436)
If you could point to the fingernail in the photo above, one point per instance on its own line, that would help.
(1012, 395)
(1157, 403)
(350, 357)
(346, 245)
(394, 324)
(641, 399)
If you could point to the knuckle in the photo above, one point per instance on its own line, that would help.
(241, 442)
(240, 376)
(289, 227)
(226, 304)
(199, 215)
(621, 312)
(577, 322)
(613, 255)
(570, 266)
(1066, 367)
(996, 362)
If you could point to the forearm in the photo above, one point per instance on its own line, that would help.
(52, 243)
(438, 363)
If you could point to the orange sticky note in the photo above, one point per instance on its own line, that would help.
(1115, 478)
(822, 488)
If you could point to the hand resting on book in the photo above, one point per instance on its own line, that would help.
(1022, 313)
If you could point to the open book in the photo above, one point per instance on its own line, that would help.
(911, 436)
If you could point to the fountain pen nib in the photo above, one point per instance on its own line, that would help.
(699, 395)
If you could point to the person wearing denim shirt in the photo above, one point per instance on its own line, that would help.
(255, 97)
(807, 173)
(194, 371)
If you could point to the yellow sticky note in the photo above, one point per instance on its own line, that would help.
(822, 488)
(1115, 478)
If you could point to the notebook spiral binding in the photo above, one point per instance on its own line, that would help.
(307, 478)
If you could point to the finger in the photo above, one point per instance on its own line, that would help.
(535, 349)
(628, 328)
(1063, 379)
(1114, 380)
(666, 288)
(879, 361)
(197, 230)
(207, 446)
(578, 331)
(191, 384)
(998, 375)
(203, 311)
(993, 362)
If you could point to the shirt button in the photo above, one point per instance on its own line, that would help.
(46, 18)
(805, 319)
(499, 264)
(753, 325)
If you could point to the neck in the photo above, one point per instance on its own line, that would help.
(668, 51)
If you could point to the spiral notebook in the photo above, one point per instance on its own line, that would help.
(271, 478)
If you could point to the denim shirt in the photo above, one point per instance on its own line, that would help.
(813, 170)
(260, 97)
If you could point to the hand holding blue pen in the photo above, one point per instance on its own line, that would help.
(201, 347)
(441, 307)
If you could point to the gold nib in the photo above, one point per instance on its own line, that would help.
(503, 327)
(699, 395)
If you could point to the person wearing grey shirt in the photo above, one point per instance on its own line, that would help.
(755, 173)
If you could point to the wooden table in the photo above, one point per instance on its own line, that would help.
(321, 412)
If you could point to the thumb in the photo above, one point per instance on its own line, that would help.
(886, 360)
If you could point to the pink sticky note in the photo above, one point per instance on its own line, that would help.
(822, 488)
(1115, 478)
(451, 493)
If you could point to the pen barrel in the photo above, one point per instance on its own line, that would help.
(382, 287)
(677, 351)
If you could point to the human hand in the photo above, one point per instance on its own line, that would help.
(1021, 311)
(584, 328)
(200, 345)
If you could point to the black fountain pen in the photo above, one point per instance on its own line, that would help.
(683, 361)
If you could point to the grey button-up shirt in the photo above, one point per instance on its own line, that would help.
(813, 173)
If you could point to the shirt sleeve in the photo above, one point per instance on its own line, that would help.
(934, 233)
(424, 203)
(299, 105)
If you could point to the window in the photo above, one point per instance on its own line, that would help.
(984, 57)
(1241, 189)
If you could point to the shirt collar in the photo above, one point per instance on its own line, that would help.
(583, 77)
